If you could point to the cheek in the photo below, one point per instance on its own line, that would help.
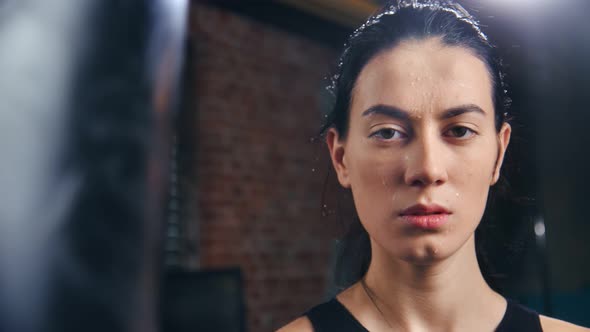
(471, 177)
(476, 166)
(372, 177)
(472, 172)
(375, 176)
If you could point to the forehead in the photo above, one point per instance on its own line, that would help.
(424, 75)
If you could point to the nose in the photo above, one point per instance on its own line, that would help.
(425, 163)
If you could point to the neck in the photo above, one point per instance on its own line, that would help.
(439, 295)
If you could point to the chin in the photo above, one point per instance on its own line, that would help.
(425, 254)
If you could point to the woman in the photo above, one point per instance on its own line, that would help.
(418, 134)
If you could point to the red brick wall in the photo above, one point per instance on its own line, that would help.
(257, 97)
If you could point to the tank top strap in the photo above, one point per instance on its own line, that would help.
(519, 318)
(332, 316)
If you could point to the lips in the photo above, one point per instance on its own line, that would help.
(421, 209)
(427, 217)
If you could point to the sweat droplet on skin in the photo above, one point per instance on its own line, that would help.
(457, 10)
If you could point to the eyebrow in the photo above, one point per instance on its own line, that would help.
(398, 113)
(462, 109)
(388, 110)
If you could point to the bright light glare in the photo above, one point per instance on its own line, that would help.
(540, 228)
(521, 5)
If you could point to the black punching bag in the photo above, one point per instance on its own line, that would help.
(86, 91)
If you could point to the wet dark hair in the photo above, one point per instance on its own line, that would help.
(396, 22)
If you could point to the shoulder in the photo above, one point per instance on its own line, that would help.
(301, 324)
(551, 324)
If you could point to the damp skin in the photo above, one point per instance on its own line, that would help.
(420, 156)
(454, 9)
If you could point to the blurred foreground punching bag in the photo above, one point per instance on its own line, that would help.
(85, 92)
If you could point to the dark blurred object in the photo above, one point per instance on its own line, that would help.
(85, 93)
(209, 301)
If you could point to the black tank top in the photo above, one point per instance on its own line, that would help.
(332, 316)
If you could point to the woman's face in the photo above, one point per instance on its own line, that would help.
(422, 148)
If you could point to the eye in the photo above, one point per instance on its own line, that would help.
(388, 134)
(460, 132)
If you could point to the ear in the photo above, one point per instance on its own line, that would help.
(503, 140)
(338, 157)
